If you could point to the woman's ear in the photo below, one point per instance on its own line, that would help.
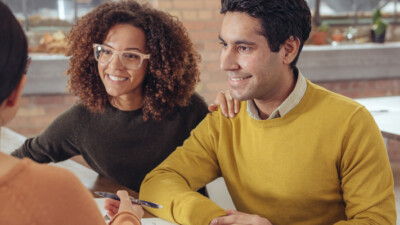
(13, 99)
(291, 48)
(9, 107)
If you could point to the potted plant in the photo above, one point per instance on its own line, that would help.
(378, 27)
(337, 36)
(319, 36)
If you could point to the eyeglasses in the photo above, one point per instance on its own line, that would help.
(130, 59)
(27, 64)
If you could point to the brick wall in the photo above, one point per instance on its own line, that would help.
(202, 20)
(36, 112)
(364, 88)
(393, 146)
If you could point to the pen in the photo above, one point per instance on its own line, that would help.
(133, 200)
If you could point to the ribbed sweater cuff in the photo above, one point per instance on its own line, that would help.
(125, 217)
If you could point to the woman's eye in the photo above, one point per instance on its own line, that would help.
(131, 56)
(106, 51)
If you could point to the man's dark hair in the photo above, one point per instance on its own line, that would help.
(280, 19)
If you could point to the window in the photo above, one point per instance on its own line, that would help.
(36, 14)
(352, 12)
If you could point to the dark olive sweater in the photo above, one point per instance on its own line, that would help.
(116, 144)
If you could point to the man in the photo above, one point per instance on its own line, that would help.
(299, 154)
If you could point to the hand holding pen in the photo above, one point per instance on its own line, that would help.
(133, 200)
(114, 203)
(122, 204)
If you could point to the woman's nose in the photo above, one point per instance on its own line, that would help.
(116, 62)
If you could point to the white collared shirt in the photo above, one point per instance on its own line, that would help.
(290, 102)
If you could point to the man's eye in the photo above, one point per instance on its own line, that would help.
(244, 49)
(223, 44)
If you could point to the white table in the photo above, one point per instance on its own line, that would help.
(10, 140)
(386, 112)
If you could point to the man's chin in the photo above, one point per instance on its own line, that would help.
(239, 95)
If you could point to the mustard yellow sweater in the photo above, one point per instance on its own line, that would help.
(324, 162)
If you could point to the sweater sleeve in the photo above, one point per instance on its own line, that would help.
(125, 218)
(57, 142)
(173, 183)
(365, 173)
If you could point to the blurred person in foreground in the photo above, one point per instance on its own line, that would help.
(299, 154)
(134, 70)
(40, 194)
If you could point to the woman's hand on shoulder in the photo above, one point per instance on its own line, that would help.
(229, 106)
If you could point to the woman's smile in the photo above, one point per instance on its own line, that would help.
(117, 79)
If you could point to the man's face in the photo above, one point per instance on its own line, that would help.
(254, 72)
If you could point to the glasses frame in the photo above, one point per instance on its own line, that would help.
(120, 53)
(27, 64)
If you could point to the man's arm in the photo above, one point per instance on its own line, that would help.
(174, 182)
(236, 217)
(365, 173)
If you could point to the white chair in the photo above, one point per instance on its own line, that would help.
(219, 194)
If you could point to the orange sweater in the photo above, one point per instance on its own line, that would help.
(42, 194)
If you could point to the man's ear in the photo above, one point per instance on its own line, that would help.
(291, 48)
(13, 99)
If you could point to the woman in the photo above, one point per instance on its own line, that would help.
(134, 70)
(31, 193)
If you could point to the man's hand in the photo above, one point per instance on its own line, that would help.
(239, 218)
(227, 104)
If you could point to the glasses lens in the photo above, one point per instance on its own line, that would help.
(131, 60)
(97, 50)
(103, 54)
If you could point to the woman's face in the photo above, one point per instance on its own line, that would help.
(121, 82)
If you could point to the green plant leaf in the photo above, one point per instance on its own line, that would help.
(323, 27)
(377, 16)
(380, 27)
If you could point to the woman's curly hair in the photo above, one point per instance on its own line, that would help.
(172, 72)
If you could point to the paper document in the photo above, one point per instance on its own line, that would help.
(156, 221)
(145, 221)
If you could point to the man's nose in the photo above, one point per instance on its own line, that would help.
(228, 60)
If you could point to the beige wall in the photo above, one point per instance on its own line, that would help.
(202, 20)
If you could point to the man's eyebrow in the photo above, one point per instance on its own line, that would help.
(239, 42)
(220, 38)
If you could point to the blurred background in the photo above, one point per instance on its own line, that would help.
(339, 55)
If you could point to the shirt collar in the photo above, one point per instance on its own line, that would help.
(290, 102)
